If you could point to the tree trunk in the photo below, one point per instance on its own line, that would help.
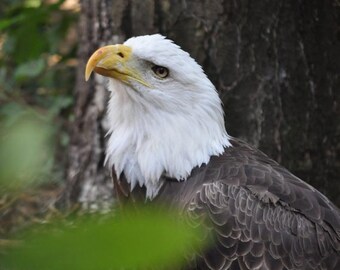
(275, 64)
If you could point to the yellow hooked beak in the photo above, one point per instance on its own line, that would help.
(114, 61)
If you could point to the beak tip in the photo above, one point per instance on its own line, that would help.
(88, 73)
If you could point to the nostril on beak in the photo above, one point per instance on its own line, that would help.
(120, 54)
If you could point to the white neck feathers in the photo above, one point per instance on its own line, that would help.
(149, 139)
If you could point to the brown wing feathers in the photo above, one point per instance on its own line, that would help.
(263, 216)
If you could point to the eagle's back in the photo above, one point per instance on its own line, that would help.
(262, 216)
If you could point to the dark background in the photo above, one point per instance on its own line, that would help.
(276, 65)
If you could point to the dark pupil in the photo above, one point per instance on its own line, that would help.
(160, 71)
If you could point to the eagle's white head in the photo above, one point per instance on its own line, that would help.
(165, 115)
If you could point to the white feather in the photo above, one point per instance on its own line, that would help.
(167, 129)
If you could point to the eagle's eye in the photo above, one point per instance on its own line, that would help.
(161, 72)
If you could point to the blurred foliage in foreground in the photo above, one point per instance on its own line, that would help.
(134, 238)
(37, 61)
(25, 152)
(143, 238)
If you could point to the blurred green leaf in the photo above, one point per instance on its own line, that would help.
(25, 48)
(24, 149)
(29, 69)
(59, 103)
(32, 3)
(4, 23)
(33, 31)
(143, 239)
(10, 113)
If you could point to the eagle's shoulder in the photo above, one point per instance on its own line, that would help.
(263, 215)
(245, 166)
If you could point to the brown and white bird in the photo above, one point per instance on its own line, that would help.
(168, 144)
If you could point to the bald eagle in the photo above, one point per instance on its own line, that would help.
(168, 144)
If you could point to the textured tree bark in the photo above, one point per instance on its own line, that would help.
(275, 64)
